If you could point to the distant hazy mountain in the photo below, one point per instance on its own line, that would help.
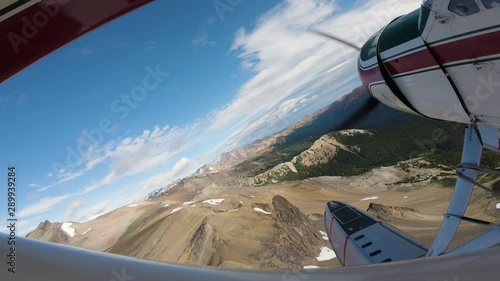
(309, 147)
(264, 154)
(330, 117)
(231, 214)
(200, 232)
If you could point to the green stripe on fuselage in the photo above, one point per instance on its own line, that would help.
(13, 6)
(369, 50)
(400, 31)
(424, 17)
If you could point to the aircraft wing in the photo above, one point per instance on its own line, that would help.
(42, 261)
(359, 238)
(31, 29)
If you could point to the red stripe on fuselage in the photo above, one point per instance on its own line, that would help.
(418, 60)
(469, 48)
(465, 49)
(44, 27)
(345, 249)
(370, 75)
(330, 233)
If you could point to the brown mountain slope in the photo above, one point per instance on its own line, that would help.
(98, 234)
(48, 231)
(251, 235)
(276, 226)
(296, 241)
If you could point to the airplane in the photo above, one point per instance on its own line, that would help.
(440, 61)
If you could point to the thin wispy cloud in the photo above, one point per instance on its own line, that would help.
(150, 45)
(108, 179)
(290, 62)
(142, 45)
(73, 210)
(81, 51)
(63, 177)
(24, 227)
(202, 40)
(131, 155)
(22, 99)
(163, 178)
(43, 205)
(291, 67)
(293, 72)
(7, 99)
(97, 210)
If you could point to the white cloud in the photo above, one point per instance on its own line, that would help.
(290, 62)
(201, 37)
(23, 223)
(23, 98)
(293, 72)
(280, 51)
(97, 210)
(63, 177)
(150, 45)
(82, 51)
(144, 45)
(73, 209)
(33, 185)
(180, 168)
(110, 178)
(44, 205)
(85, 51)
(145, 152)
(77, 212)
(201, 40)
(25, 226)
(151, 149)
(132, 155)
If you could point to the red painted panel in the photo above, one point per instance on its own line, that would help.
(469, 48)
(345, 249)
(464, 49)
(44, 27)
(418, 60)
(370, 76)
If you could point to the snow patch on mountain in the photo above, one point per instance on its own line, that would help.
(66, 227)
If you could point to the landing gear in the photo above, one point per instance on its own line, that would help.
(467, 172)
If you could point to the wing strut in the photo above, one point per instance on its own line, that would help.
(467, 172)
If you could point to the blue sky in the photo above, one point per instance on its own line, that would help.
(83, 145)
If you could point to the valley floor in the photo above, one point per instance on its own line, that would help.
(250, 227)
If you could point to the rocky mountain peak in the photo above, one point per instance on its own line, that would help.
(387, 212)
(296, 241)
(48, 231)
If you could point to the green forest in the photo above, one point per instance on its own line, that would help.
(440, 143)
(395, 137)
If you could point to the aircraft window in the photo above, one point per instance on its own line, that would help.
(335, 205)
(491, 3)
(346, 215)
(463, 7)
(427, 3)
(350, 220)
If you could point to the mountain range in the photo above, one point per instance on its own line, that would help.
(261, 205)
